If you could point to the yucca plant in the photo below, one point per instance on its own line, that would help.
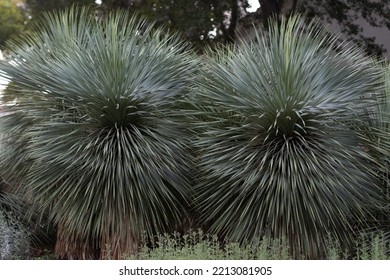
(377, 141)
(278, 151)
(8, 200)
(105, 147)
(375, 137)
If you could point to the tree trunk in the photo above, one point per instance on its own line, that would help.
(69, 246)
(230, 33)
(113, 246)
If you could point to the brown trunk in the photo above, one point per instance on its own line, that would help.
(72, 247)
(116, 247)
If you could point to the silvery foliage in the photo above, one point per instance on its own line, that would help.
(14, 239)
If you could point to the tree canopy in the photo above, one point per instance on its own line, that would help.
(38, 6)
(350, 15)
(11, 20)
(121, 132)
(211, 22)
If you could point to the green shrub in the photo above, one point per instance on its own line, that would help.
(11, 21)
(376, 139)
(372, 247)
(200, 246)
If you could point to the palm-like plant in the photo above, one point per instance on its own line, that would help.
(8, 200)
(105, 138)
(279, 151)
(376, 137)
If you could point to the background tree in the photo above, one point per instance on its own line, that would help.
(11, 20)
(349, 16)
(203, 22)
(36, 7)
(210, 22)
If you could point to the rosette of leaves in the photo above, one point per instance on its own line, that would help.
(279, 152)
(376, 139)
(105, 139)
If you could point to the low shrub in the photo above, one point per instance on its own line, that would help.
(14, 239)
(197, 245)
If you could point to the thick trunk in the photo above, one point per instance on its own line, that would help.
(71, 247)
(115, 248)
